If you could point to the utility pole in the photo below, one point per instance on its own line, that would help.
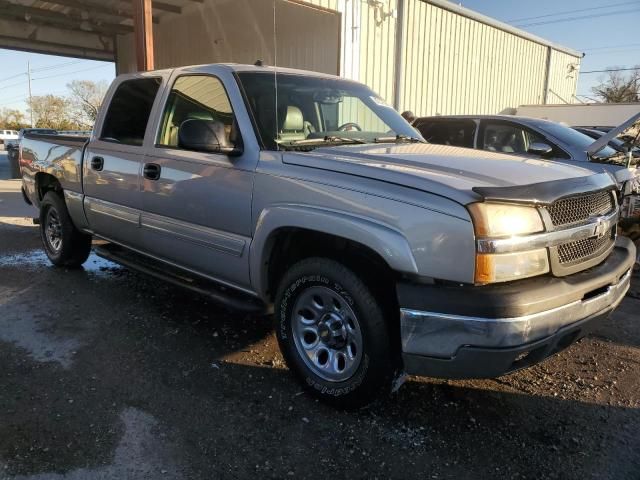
(30, 98)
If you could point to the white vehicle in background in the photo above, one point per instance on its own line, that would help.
(7, 135)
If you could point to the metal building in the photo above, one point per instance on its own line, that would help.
(429, 56)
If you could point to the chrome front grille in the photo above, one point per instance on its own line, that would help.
(574, 252)
(581, 208)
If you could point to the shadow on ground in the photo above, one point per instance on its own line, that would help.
(108, 374)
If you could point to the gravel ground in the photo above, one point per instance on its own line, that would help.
(108, 374)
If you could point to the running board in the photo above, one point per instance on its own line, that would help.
(217, 292)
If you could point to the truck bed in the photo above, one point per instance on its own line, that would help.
(57, 155)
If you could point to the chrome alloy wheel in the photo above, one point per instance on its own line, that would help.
(327, 334)
(53, 230)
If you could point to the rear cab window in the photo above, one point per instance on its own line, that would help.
(129, 110)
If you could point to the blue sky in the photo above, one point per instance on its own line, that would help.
(603, 28)
(50, 74)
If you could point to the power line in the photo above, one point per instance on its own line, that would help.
(22, 98)
(71, 73)
(566, 12)
(609, 52)
(12, 76)
(58, 65)
(611, 46)
(13, 84)
(573, 19)
(612, 70)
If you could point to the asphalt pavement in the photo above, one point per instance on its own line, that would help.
(108, 374)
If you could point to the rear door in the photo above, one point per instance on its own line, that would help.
(113, 161)
(197, 205)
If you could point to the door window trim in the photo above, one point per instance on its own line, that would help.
(511, 123)
(100, 138)
(160, 120)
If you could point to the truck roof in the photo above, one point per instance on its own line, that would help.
(236, 67)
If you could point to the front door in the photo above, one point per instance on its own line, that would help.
(197, 205)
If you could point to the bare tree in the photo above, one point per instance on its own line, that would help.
(85, 99)
(52, 111)
(620, 87)
(12, 119)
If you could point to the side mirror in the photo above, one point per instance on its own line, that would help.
(206, 136)
(538, 148)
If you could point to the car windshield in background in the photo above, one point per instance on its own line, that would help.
(316, 111)
(577, 139)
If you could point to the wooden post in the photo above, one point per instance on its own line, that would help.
(143, 32)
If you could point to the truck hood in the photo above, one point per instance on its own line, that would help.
(443, 170)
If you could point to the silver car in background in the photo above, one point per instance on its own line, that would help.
(524, 136)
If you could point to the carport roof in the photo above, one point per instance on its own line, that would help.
(78, 28)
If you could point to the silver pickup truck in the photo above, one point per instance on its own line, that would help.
(301, 194)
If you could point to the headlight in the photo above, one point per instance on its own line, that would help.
(501, 220)
(497, 220)
(502, 267)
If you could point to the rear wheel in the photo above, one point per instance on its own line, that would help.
(63, 243)
(333, 334)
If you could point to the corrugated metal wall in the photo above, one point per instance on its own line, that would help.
(458, 65)
(242, 31)
(563, 77)
(451, 64)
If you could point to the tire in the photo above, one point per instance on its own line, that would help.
(63, 243)
(333, 334)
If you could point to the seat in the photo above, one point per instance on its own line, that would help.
(293, 127)
(174, 129)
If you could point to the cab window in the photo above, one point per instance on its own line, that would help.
(129, 110)
(508, 138)
(458, 133)
(195, 97)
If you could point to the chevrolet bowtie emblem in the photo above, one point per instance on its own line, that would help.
(600, 228)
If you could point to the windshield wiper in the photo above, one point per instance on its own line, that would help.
(400, 138)
(329, 140)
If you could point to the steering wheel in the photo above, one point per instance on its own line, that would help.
(349, 126)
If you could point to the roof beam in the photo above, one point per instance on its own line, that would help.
(20, 35)
(38, 16)
(167, 7)
(90, 7)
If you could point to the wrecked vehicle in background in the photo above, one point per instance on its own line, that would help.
(544, 139)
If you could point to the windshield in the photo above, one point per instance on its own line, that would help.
(309, 108)
(574, 138)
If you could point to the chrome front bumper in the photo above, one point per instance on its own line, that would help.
(441, 335)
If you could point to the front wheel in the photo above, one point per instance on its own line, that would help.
(64, 244)
(333, 334)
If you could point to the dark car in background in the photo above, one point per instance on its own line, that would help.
(13, 147)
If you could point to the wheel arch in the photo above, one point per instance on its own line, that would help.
(45, 182)
(285, 234)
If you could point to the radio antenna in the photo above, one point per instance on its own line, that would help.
(275, 72)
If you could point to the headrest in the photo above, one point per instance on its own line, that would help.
(294, 119)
